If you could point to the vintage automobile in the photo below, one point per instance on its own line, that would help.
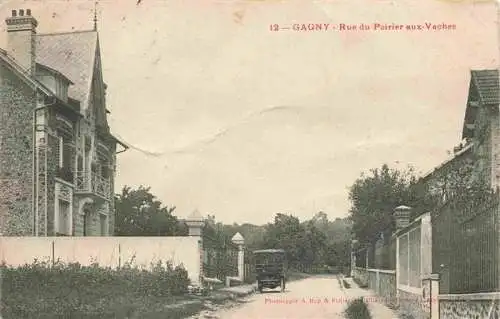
(270, 268)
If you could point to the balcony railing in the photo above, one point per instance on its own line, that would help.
(87, 182)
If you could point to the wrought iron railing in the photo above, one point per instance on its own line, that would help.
(466, 247)
(92, 183)
(220, 254)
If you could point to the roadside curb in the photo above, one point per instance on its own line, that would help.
(242, 293)
(219, 296)
(187, 308)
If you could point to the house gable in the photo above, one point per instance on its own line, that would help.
(483, 92)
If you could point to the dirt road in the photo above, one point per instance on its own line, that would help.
(316, 297)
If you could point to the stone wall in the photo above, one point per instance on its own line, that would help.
(468, 308)
(387, 288)
(17, 101)
(411, 303)
(373, 280)
(361, 275)
(383, 284)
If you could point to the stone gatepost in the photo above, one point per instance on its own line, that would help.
(240, 241)
(402, 215)
(434, 296)
(195, 223)
(353, 257)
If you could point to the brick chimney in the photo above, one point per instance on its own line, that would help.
(402, 216)
(21, 31)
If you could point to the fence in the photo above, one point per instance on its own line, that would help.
(385, 253)
(220, 255)
(360, 256)
(389, 280)
(249, 273)
(380, 255)
(466, 247)
(410, 254)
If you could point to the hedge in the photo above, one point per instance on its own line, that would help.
(59, 290)
(357, 309)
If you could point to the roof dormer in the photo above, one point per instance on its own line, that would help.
(53, 80)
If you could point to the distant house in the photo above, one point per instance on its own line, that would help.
(57, 154)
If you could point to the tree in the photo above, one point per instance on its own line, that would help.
(284, 234)
(313, 242)
(139, 213)
(374, 197)
(253, 234)
(303, 242)
(320, 220)
(462, 182)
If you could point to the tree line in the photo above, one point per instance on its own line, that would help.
(375, 195)
(317, 242)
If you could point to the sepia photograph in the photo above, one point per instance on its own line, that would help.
(275, 159)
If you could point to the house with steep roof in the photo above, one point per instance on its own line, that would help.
(447, 259)
(481, 123)
(480, 144)
(57, 153)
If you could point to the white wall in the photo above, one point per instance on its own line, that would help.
(107, 251)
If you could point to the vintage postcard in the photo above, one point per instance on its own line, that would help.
(249, 159)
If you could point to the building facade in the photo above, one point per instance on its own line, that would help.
(57, 154)
(477, 158)
(447, 260)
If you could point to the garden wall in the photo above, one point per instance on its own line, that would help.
(383, 283)
(480, 305)
(361, 276)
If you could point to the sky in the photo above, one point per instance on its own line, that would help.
(234, 120)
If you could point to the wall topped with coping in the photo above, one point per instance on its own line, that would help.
(480, 305)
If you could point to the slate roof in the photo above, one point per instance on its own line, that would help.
(72, 54)
(487, 85)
